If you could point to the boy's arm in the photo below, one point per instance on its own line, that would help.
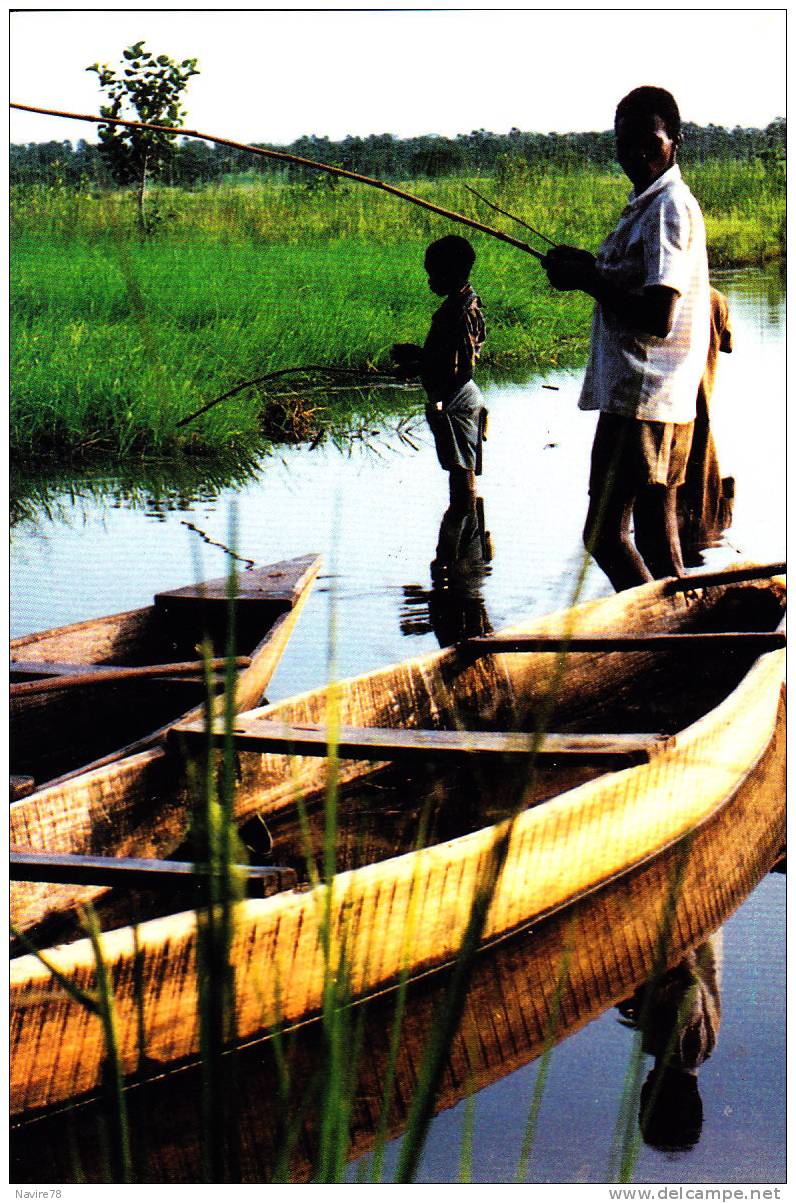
(651, 312)
(408, 358)
(720, 325)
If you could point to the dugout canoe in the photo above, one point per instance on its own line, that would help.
(656, 705)
(533, 989)
(95, 691)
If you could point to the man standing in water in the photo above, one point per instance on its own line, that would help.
(649, 344)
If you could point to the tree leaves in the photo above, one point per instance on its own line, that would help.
(150, 90)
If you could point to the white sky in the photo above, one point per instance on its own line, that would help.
(273, 75)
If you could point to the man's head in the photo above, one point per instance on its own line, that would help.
(648, 133)
(448, 262)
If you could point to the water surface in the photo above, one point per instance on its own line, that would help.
(374, 509)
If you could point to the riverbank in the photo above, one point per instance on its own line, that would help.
(115, 342)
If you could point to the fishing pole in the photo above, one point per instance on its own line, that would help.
(284, 156)
(309, 369)
(513, 216)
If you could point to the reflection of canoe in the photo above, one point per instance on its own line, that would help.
(615, 796)
(533, 988)
(73, 703)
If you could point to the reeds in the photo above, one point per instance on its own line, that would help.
(115, 341)
(217, 849)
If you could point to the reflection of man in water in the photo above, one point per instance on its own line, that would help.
(678, 1015)
(455, 604)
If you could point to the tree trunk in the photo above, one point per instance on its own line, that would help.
(142, 226)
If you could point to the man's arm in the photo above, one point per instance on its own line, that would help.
(651, 312)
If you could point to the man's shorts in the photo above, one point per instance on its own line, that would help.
(637, 453)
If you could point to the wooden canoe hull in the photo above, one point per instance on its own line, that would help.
(508, 692)
(412, 910)
(53, 734)
(542, 984)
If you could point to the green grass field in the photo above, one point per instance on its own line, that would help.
(114, 339)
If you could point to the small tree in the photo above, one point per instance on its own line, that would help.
(149, 90)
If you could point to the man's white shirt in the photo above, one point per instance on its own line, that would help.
(659, 240)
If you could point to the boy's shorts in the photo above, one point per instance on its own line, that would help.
(638, 452)
(458, 428)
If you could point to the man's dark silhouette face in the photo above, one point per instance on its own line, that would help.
(644, 149)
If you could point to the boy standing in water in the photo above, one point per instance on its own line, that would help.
(446, 363)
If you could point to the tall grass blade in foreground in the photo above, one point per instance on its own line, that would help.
(342, 1031)
(468, 1127)
(626, 1142)
(447, 1023)
(218, 850)
(396, 1028)
(540, 1080)
(114, 1074)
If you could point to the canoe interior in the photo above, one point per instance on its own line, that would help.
(52, 733)
(385, 812)
(594, 692)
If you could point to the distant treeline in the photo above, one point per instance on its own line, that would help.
(478, 153)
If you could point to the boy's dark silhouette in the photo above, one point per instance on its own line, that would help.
(446, 363)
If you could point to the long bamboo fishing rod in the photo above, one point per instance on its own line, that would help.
(308, 370)
(513, 216)
(283, 157)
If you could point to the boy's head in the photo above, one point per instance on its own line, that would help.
(448, 262)
(648, 133)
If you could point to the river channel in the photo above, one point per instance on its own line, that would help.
(372, 506)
